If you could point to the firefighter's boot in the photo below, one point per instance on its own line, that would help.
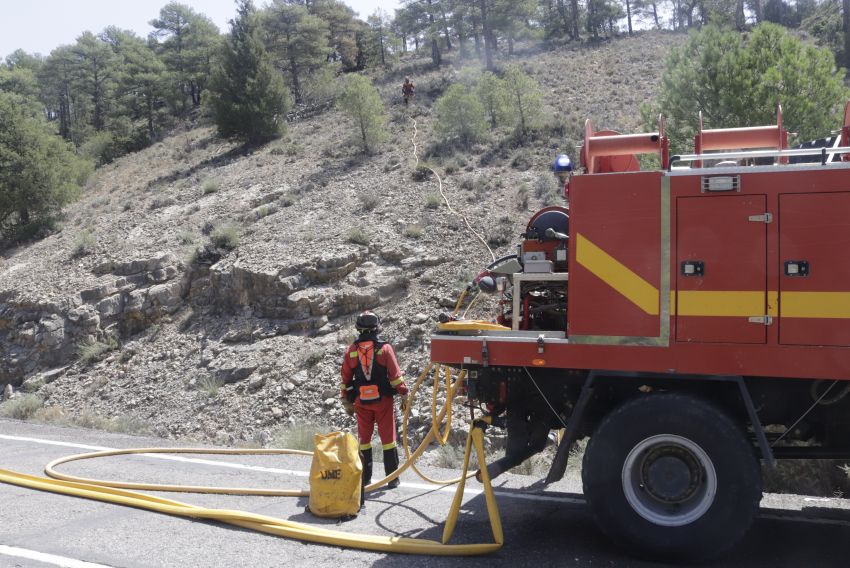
(390, 465)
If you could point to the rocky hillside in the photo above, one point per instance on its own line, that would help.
(208, 294)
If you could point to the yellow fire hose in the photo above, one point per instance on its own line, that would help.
(116, 491)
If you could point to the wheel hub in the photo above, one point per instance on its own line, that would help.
(670, 474)
(669, 480)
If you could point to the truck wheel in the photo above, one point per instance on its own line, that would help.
(671, 477)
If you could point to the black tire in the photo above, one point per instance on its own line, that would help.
(671, 477)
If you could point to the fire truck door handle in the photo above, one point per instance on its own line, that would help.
(796, 268)
(541, 343)
(693, 268)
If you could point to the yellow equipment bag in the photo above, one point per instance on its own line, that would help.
(335, 476)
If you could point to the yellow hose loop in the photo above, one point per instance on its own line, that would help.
(50, 470)
(444, 437)
(116, 491)
(261, 523)
(459, 303)
(410, 460)
(476, 438)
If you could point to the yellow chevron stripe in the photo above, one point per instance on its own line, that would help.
(826, 305)
(611, 271)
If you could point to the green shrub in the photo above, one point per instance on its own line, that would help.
(524, 99)
(522, 196)
(501, 233)
(433, 200)
(522, 160)
(84, 243)
(298, 436)
(21, 407)
(358, 236)
(210, 186)
(93, 351)
(225, 237)
(460, 116)
(421, 173)
(449, 456)
(368, 200)
(544, 184)
(209, 385)
(360, 100)
(414, 230)
(313, 358)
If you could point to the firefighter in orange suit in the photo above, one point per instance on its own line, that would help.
(371, 378)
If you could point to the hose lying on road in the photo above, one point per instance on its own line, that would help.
(117, 491)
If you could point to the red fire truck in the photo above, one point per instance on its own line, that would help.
(691, 320)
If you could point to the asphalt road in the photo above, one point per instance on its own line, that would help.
(551, 528)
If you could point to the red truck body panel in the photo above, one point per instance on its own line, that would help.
(632, 307)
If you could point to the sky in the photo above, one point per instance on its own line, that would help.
(39, 26)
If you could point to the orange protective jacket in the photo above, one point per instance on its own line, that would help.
(372, 362)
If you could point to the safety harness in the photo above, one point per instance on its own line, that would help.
(370, 376)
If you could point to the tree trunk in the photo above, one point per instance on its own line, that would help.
(655, 15)
(758, 13)
(436, 58)
(629, 15)
(846, 20)
(574, 18)
(296, 85)
(562, 12)
(476, 37)
(488, 35)
(446, 28)
(150, 113)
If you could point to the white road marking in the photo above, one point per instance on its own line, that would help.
(158, 456)
(421, 486)
(47, 558)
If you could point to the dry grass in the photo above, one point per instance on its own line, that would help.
(21, 407)
(93, 351)
(31, 408)
(299, 436)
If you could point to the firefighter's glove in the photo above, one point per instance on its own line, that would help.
(405, 400)
(349, 407)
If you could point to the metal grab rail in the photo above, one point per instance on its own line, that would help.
(823, 152)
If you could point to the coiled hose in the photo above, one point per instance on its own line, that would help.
(119, 491)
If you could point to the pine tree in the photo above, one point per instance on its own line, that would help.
(190, 39)
(247, 95)
(361, 101)
(142, 80)
(736, 82)
(492, 92)
(342, 26)
(39, 172)
(96, 68)
(524, 98)
(460, 116)
(297, 40)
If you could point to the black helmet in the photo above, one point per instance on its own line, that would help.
(368, 321)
